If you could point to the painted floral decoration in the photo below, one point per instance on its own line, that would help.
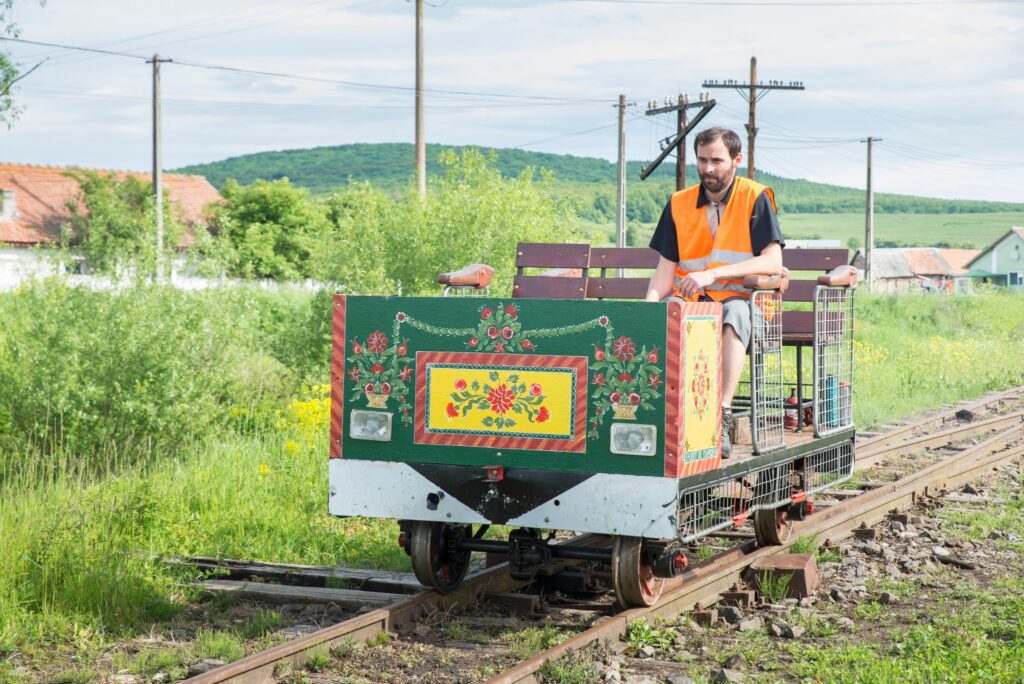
(624, 378)
(380, 369)
(505, 398)
(499, 331)
(700, 384)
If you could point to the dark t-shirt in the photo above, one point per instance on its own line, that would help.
(764, 226)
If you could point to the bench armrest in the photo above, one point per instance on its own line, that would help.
(779, 282)
(474, 275)
(840, 276)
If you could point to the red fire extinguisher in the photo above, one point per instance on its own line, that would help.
(791, 417)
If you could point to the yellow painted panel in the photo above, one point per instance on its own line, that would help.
(700, 387)
(511, 401)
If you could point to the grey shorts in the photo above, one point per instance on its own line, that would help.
(735, 313)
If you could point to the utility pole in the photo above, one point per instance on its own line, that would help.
(158, 182)
(421, 145)
(678, 106)
(750, 92)
(620, 204)
(869, 223)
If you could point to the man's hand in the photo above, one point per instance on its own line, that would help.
(694, 283)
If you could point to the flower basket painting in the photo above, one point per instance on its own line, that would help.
(380, 369)
(506, 396)
(625, 379)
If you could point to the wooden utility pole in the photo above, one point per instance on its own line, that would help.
(421, 145)
(750, 92)
(158, 181)
(620, 204)
(678, 106)
(869, 223)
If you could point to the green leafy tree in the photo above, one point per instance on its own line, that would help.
(271, 228)
(9, 73)
(113, 224)
(472, 214)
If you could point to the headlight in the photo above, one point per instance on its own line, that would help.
(635, 440)
(372, 425)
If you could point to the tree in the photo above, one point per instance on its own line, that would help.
(8, 69)
(471, 214)
(271, 228)
(113, 225)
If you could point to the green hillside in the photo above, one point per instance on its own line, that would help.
(590, 180)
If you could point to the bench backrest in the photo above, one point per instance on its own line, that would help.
(579, 271)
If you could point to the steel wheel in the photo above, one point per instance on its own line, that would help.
(435, 559)
(632, 577)
(772, 526)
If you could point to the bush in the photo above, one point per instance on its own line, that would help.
(141, 370)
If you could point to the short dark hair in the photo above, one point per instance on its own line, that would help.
(710, 135)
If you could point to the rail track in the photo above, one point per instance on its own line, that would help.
(899, 468)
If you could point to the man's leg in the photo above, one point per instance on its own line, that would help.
(735, 339)
(734, 356)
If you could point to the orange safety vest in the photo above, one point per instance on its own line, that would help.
(698, 251)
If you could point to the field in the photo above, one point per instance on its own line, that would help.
(972, 231)
(149, 422)
(968, 231)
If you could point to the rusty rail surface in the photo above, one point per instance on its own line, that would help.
(701, 584)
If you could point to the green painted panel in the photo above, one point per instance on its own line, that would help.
(615, 348)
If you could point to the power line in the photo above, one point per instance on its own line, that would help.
(314, 79)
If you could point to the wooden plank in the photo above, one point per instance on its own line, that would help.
(800, 291)
(542, 287)
(623, 257)
(283, 593)
(617, 288)
(551, 255)
(814, 259)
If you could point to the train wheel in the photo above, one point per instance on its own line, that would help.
(632, 577)
(772, 526)
(436, 559)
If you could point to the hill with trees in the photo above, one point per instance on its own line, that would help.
(589, 181)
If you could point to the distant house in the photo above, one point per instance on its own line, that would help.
(1002, 263)
(908, 269)
(34, 211)
(35, 200)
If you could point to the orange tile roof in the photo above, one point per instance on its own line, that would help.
(925, 261)
(43, 193)
(959, 258)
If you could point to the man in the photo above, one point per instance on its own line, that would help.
(710, 236)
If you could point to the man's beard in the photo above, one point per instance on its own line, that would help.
(714, 183)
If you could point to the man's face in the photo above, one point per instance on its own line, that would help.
(715, 166)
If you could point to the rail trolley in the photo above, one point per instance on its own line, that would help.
(451, 414)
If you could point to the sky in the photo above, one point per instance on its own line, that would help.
(940, 85)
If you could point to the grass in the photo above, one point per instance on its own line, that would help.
(524, 644)
(773, 587)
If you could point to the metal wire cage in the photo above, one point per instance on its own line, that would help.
(827, 467)
(833, 359)
(723, 503)
(766, 386)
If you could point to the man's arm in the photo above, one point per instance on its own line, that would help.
(661, 281)
(768, 262)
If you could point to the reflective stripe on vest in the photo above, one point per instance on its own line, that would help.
(700, 251)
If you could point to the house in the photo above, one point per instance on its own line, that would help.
(908, 269)
(35, 200)
(1002, 263)
(34, 210)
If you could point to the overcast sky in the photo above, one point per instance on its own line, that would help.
(941, 83)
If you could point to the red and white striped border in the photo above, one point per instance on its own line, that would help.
(338, 344)
(577, 444)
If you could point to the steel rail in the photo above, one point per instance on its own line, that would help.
(701, 585)
(258, 668)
